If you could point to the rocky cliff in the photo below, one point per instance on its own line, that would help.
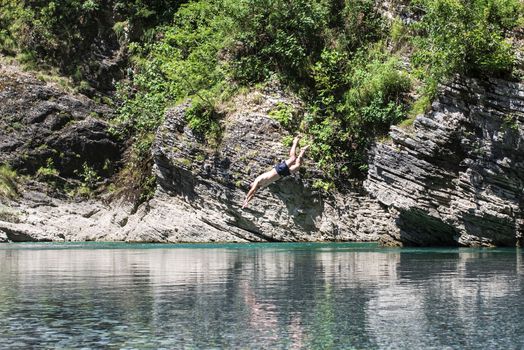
(212, 182)
(456, 176)
(42, 125)
(201, 188)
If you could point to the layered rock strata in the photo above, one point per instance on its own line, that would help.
(201, 187)
(210, 182)
(456, 176)
(41, 125)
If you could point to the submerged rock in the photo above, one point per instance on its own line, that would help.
(457, 176)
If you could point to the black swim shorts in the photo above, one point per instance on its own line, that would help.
(282, 169)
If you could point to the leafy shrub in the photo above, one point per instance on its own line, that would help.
(63, 33)
(286, 115)
(358, 99)
(469, 37)
(276, 36)
(48, 170)
(202, 118)
(183, 63)
(89, 176)
(8, 182)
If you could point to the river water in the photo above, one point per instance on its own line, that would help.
(263, 296)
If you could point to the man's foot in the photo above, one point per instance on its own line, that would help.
(302, 151)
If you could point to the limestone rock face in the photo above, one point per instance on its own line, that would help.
(200, 190)
(41, 122)
(210, 182)
(457, 176)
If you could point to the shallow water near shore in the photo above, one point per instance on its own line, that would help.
(259, 296)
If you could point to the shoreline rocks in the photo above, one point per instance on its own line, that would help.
(456, 177)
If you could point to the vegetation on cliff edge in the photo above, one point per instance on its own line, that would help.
(357, 71)
(8, 182)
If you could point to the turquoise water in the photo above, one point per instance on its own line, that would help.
(259, 296)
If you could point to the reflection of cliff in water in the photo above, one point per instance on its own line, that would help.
(276, 297)
(444, 299)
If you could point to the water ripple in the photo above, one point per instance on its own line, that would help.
(259, 297)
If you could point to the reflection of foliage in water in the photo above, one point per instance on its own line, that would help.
(321, 334)
(203, 298)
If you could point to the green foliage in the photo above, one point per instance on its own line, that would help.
(14, 20)
(8, 182)
(47, 171)
(136, 181)
(510, 123)
(62, 33)
(326, 186)
(287, 38)
(203, 120)
(184, 63)
(398, 32)
(276, 36)
(358, 99)
(467, 37)
(89, 176)
(286, 115)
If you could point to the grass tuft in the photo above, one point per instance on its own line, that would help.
(8, 182)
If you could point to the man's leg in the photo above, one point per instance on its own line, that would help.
(293, 152)
(298, 161)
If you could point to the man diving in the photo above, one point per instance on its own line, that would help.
(285, 168)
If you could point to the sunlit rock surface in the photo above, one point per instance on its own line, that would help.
(457, 176)
(209, 181)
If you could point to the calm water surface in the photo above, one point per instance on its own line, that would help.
(264, 296)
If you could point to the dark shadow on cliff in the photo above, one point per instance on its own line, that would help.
(488, 227)
(175, 180)
(418, 228)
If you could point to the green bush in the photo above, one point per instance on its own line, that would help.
(358, 99)
(184, 63)
(48, 171)
(62, 33)
(329, 50)
(468, 37)
(287, 116)
(276, 36)
(8, 182)
(202, 118)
